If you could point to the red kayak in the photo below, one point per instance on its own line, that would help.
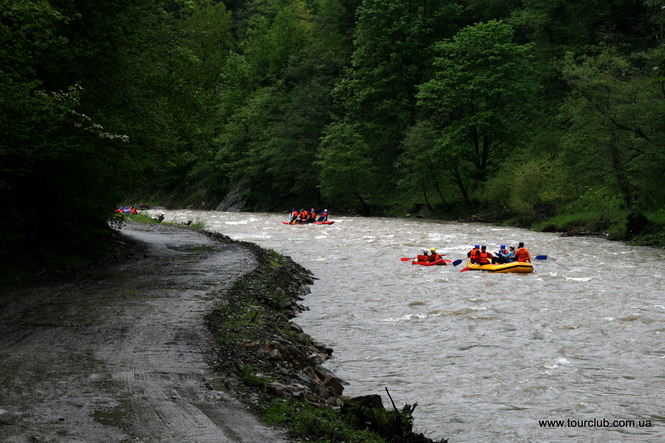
(329, 222)
(439, 262)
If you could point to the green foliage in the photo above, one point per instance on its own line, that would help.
(530, 190)
(614, 136)
(424, 169)
(209, 39)
(59, 178)
(250, 377)
(315, 423)
(285, 101)
(480, 94)
(139, 218)
(347, 175)
(392, 51)
(275, 101)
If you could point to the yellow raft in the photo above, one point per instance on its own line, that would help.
(516, 266)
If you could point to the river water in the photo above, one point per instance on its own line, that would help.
(486, 356)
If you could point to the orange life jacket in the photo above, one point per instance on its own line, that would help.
(473, 255)
(303, 215)
(522, 254)
(483, 257)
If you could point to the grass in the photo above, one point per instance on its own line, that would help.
(613, 224)
(315, 424)
(143, 218)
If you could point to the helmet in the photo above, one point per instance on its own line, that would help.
(432, 249)
(503, 246)
(476, 246)
(325, 210)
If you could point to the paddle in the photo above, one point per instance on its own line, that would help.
(541, 257)
(457, 262)
(406, 258)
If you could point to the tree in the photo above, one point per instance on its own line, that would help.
(614, 136)
(347, 174)
(392, 53)
(420, 169)
(479, 95)
(57, 183)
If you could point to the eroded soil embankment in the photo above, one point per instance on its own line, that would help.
(122, 353)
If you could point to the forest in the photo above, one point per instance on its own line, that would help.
(546, 114)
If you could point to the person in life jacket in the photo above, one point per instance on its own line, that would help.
(433, 255)
(472, 254)
(323, 216)
(484, 257)
(303, 216)
(502, 255)
(511, 255)
(294, 216)
(312, 216)
(424, 257)
(522, 253)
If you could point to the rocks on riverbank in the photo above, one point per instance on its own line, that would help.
(259, 345)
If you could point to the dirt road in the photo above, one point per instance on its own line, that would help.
(121, 355)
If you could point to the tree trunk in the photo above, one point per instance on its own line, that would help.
(620, 173)
(426, 199)
(460, 184)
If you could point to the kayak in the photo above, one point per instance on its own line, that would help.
(516, 266)
(439, 262)
(328, 222)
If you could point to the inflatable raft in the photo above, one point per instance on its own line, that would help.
(328, 222)
(516, 266)
(439, 262)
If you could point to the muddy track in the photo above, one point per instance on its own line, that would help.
(122, 353)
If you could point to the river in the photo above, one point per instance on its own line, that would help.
(486, 356)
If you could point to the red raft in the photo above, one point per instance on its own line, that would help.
(328, 222)
(439, 262)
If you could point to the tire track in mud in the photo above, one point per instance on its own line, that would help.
(122, 354)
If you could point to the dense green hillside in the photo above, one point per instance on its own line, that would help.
(531, 111)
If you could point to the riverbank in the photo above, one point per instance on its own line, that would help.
(134, 327)
(268, 360)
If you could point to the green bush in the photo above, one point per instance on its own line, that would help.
(529, 191)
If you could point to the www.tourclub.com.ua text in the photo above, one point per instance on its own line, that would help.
(594, 423)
